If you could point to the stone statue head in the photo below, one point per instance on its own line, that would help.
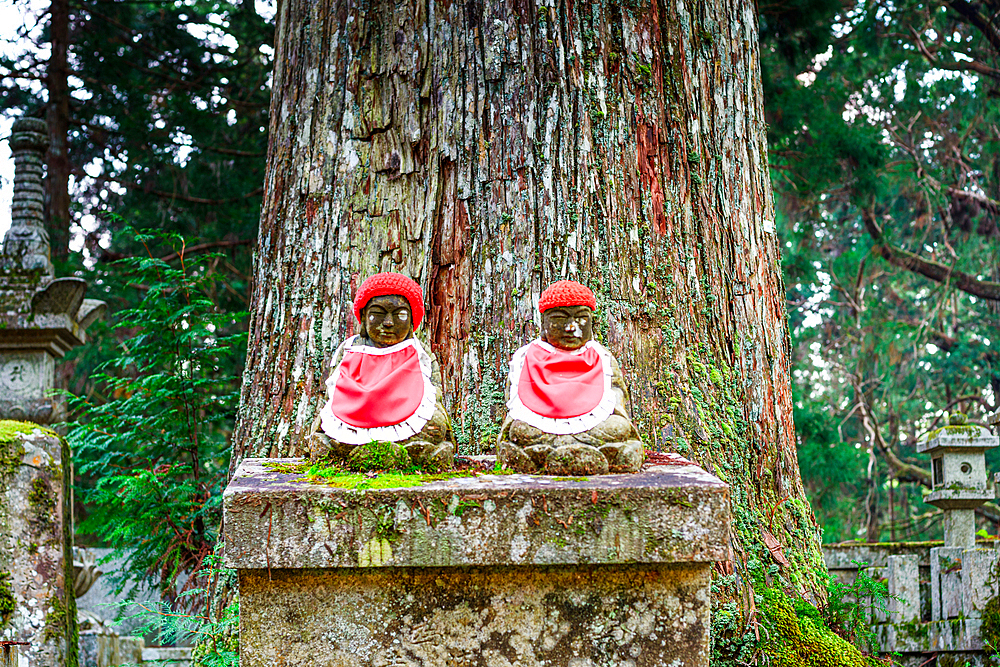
(389, 306)
(567, 314)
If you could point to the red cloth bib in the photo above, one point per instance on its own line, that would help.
(378, 389)
(559, 384)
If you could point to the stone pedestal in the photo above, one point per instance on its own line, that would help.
(960, 528)
(610, 570)
(37, 602)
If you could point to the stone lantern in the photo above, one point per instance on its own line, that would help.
(958, 474)
(41, 317)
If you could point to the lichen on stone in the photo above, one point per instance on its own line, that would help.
(11, 449)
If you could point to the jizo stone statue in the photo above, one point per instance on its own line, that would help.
(385, 387)
(567, 396)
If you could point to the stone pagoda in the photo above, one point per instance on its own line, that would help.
(41, 317)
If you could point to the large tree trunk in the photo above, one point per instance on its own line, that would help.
(57, 116)
(489, 148)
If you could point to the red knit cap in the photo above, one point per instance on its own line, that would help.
(566, 293)
(386, 284)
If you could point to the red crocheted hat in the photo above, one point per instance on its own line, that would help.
(385, 284)
(566, 293)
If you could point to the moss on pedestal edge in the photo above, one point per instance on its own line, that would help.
(11, 449)
(7, 602)
(971, 432)
(990, 629)
(55, 620)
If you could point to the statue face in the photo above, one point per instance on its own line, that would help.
(387, 320)
(568, 327)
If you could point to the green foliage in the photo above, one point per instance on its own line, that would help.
(215, 632)
(848, 608)
(168, 116)
(791, 632)
(990, 631)
(153, 435)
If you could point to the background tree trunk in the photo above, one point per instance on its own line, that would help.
(489, 148)
(57, 116)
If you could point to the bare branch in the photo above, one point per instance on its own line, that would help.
(936, 271)
(991, 205)
(976, 19)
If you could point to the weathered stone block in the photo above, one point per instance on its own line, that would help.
(946, 583)
(668, 514)
(599, 616)
(494, 569)
(106, 650)
(903, 575)
(36, 593)
(978, 580)
(937, 636)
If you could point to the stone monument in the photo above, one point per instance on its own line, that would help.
(567, 396)
(41, 317)
(384, 406)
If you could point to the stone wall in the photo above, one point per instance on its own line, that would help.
(938, 595)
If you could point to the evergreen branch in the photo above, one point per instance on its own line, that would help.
(233, 151)
(194, 200)
(205, 246)
(928, 268)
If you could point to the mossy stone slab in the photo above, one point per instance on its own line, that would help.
(666, 514)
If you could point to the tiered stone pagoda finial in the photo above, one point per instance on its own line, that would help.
(958, 472)
(26, 245)
(41, 317)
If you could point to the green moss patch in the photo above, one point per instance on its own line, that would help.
(11, 449)
(336, 476)
(10, 429)
(7, 604)
(55, 620)
(378, 455)
(799, 637)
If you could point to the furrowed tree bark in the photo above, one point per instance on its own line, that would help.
(488, 149)
(57, 115)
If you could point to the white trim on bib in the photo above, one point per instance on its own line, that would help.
(605, 408)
